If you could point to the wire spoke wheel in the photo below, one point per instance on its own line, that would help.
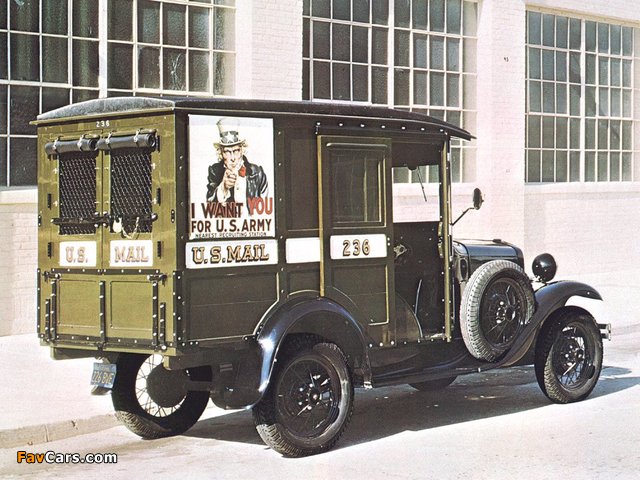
(568, 357)
(503, 311)
(154, 402)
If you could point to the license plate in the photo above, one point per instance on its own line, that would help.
(104, 374)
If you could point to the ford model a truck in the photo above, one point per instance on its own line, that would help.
(246, 251)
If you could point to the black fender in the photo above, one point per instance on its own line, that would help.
(305, 313)
(549, 299)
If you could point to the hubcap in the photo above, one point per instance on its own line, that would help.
(160, 392)
(573, 360)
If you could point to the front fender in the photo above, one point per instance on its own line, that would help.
(306, 314)
(549, 298)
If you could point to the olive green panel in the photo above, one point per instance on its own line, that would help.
(130, 309)
(78, 307)
(229, 305)
(304, 280)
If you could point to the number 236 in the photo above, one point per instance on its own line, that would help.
(355, 248)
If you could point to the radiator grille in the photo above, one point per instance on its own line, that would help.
(131, 189)
(77, 177)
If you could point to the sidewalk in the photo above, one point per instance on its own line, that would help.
(44, 400)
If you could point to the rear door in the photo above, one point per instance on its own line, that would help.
(356, 228)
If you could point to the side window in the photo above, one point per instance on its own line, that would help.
(357, 186)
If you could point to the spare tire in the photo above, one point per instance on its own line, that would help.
(496, 304)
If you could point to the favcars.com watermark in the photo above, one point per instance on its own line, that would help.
(53, 457)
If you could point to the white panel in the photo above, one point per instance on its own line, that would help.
(354, 247)
(78, 254)
(302, 250)
(131, 253)
(231, 253)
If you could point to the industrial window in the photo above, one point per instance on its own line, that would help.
(417, 55)
(68, 51)
(580, 100)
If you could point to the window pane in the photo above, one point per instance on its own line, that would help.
(533, 166)
(85, 64)
(603, 38)
(173, 24)
(561, 166)
(603, 164)
(561, 66)
(120, 20)
(25, 57)
(453, 92)
(321, 80)
(81, 95)
(574, 100)
(361, 11)
(436, 14)
(436, 55)
(3, 56)
(548, 137)
(85, 18)
(535, 97)
(355, 186)
(149, 67)
(436, 89)
(574, 167)
(360, 83)
(548, 64)
(24, 15)
(574, 127)
(321, 8)
(23, 109)
(603, 134)
(224, 29)
(575, 33)
(401, 13)
(401, 87)
(380, 12)
(453, 54)
(119, 65)
(548, 97)
(561, 132)
(341, 42)
(574, 68)
(616, 110)
(590, 40)
(534, 62)
(379, 86)
(199, 71)
(627, 41)
(401, 48)
(54, 17)
(534, 28)
(341, 81)
(453, 16)
(590, 134)
(616, 68)
(360, 44)
(420, 15)
(562, 24)
(174, 69)
(198, 27)
(22, 168)
(470, 18)
(614, 135)
(379, 40)
(548, 166)
(616, 41)
(548, 30)
(590, 101)
(321, 37)
(590, 167)
(614, 167)
(420, 87)
(342, 9)
(3, 162)
(420, 51)
(603, 71)
(224, 74)
(53, 98)
(54, 59)
(148, 21)
(533, 131)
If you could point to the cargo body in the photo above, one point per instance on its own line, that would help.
(246, 251)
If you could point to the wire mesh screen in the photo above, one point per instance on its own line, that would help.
(131, 189)
(77, 183)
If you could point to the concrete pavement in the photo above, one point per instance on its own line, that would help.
(45, 400)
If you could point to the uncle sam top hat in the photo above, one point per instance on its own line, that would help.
(229, 135)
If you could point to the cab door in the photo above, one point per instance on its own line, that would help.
(356, 228)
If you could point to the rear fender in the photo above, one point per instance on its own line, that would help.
(306, 314)
(549, 299)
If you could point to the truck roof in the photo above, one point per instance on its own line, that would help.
(115, 105)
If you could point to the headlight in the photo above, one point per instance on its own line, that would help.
(544, 267)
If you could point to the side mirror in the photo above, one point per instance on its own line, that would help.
(478, 200)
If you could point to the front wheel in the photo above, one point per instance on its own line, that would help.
(154, 402)
(309, 402)
(568, 357)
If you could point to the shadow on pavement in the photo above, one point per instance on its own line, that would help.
(384, 412)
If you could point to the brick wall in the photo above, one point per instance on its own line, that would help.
(18, 263)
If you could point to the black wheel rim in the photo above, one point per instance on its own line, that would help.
(573, 357)
(503, 312)
(308, 397)
(151, 405)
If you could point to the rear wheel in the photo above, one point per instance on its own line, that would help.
(154, 402)
(309, 401)
(568, 357)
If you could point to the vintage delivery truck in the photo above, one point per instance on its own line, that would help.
(246, 251)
